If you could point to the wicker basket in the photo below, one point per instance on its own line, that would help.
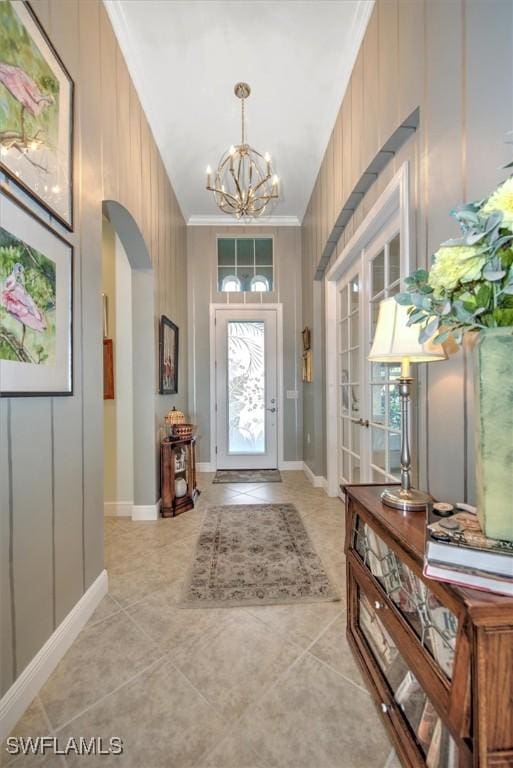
(183, 430)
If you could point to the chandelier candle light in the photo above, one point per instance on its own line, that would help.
(244, 182)
(396, 342)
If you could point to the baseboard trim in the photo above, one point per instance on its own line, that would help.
(205, 466)
(318, 481)
(118, 508)
(146, 511)
(21, 693)
(291, 465)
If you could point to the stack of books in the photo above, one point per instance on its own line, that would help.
(458, 551)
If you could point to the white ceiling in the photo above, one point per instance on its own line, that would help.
(185, 56)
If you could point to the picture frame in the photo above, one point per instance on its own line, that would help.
(109, 392)
(36, 304)
(36, 101)
(168, 356)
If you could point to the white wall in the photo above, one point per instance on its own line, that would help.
(118, 413)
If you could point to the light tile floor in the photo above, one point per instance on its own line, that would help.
(262, 687)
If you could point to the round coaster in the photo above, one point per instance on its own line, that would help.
(450, 525)
(443, 509)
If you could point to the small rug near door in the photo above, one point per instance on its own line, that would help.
(255, 554)
(247, 476)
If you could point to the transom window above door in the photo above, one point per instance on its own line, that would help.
(245, 264)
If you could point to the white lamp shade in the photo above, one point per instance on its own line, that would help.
(394, 341)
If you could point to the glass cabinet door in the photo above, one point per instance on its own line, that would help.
(435, 625)
(429, 732)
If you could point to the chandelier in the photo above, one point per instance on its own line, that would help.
(244, 182)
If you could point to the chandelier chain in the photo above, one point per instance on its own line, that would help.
(243, 128)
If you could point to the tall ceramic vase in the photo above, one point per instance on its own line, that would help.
(493, 381)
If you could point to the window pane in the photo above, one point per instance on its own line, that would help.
(267, 272)
(226, 252)
(354, 295)
(354, 396)
(394, 407)
(378, 438)
(354, 363)
(342, 336)
(259, 283)
(355, 437)
(224, 281)
(343, 302)
(394, 260)
(344, 399)
(378, 273)
(344, 368)
(245, 251)
(263, 251)
(394, 453)
(374, 317)
(245, 274)
(378, 404)
(379, 371)
(246, 387)
(355, 469)
(354, 321)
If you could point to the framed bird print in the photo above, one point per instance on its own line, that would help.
(36, 305)
(168, 357)
(36, 112)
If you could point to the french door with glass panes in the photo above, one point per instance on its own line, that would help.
(368, 403)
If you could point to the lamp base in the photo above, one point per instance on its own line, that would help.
(406, 501)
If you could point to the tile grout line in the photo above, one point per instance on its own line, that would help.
(110, 693)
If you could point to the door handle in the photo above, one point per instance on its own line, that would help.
(361, 422)
(271, 410)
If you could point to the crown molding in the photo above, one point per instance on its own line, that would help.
(221, 220)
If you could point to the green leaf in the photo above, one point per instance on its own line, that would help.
(441, 337)
(404, 299)
(503, 317)
(508, 289)
(429, 330)
(421, 276)
(426, 289)
(494, 275)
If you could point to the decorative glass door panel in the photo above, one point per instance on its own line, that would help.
(349, 378)
(246, 407)
(246, 387)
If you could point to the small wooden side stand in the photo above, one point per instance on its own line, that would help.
(170, 451)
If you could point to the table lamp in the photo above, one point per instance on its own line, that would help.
(396, 342)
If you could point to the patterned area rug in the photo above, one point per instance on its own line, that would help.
(247, 476)
(255, 554)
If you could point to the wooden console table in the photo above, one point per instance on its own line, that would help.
(438, 659)
(177, 460)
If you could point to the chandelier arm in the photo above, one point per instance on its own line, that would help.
(261, 182)
(236, 181)
(225, 195)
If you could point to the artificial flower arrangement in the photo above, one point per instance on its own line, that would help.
(470, 285)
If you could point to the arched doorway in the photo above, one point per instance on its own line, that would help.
(129, 418)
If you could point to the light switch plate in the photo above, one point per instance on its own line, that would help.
(291, 394)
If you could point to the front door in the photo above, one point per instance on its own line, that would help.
(246, 392)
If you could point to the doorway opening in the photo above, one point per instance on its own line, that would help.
(130, 457)
(363, 413)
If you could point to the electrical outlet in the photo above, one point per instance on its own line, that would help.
(291, 394)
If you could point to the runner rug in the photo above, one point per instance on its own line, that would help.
(255, 554)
